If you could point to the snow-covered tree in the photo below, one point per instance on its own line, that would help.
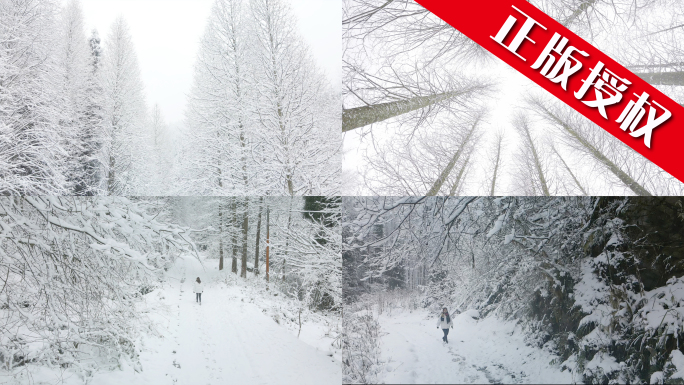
(161, 167)
(32, 156)
(93, 134)
(495, 158)
(262, 120)
(219, 154)
(79, 125)
(434, 164)
(126, 143)
(73, 270)
(298, 114)
(302, 234)
(398, 57)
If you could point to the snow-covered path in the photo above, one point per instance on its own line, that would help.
(486, 351)
(226, 340)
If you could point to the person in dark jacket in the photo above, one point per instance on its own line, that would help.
(444, 321)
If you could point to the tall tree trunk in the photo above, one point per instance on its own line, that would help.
(268, 241)
(457, 183)
(596, 154)
(674, 78)
(574, 178)
(233, 238)
(220, 216)
(535, 156)
(111, 178)
(245, 231)
(447, 170)
(353, 118)
(258, 234)
(238, 92)
(496, 164)
(287, 238)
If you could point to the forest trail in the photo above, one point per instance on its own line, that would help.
(485, 351)
(226, 340)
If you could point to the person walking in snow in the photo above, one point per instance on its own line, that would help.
(444, 321)
(198, 290)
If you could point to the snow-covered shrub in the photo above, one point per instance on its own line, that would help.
(74, 269)
(360, 348)
(673, 372)
(312, 247)
(387, 301)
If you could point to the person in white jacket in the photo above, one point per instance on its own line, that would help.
(198, 289)
(444, 321)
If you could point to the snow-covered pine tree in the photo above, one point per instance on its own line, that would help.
(161, 156)
(31, 153)
(125, 111)
(74, 83)
(93, 133)
(262, 119)
(218, 160)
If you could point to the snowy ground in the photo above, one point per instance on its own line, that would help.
(485, 351)
(231, 338)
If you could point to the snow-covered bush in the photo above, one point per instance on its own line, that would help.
(360, 348)
(73, 270)
(310, 250)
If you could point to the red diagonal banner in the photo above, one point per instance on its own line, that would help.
(575, 72)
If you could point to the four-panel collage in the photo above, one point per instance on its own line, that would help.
(336, 192)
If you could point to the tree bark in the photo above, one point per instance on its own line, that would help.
(447, 170)
(612, 167)
(537, 161)
(233, 238)
(496, 165)
(245, 231)
(578, 11)
(362, 116)
(268, 240)
(577, 182)
(258, 234)
(220, 216)
(457, 183)
(675, 78)
(287, 238)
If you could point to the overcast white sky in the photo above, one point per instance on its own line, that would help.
(166, 34)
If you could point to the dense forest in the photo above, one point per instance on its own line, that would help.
(260, 119)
